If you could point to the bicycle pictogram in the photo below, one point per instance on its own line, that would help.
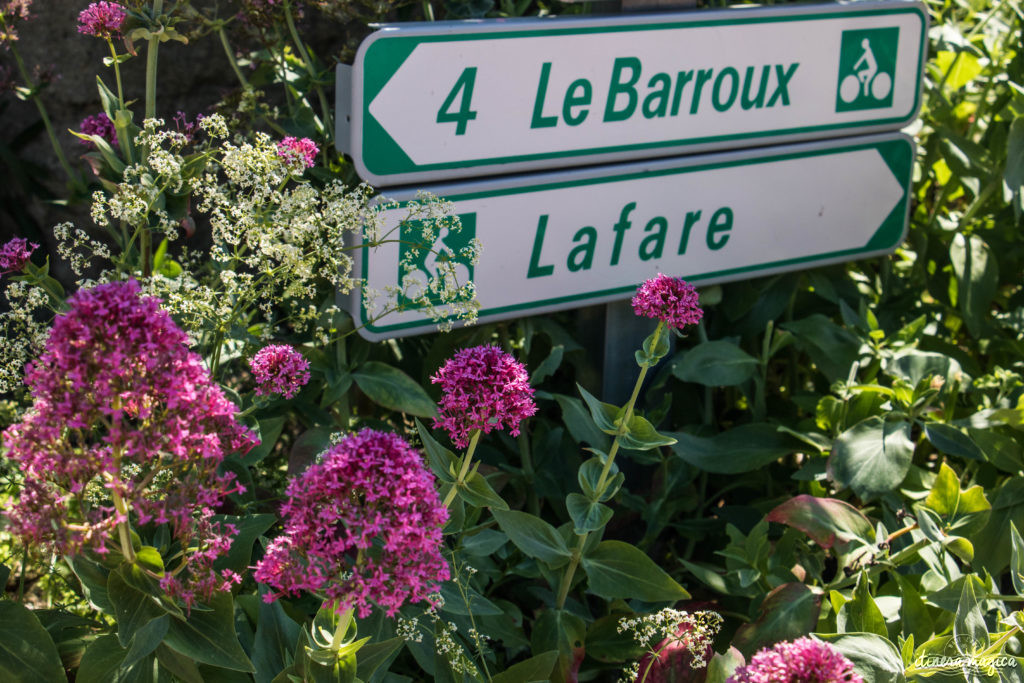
(868, 81)
(867, 67)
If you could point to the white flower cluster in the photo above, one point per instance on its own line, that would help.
(693, 631)
(23, 330)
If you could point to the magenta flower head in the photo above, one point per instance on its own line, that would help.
(101, 19)
(669, 299)
(101, 125)
(300, 153)
(805, 660)
(361, 526)
(15, 254)
(483, 388)
(279, 369)
(126, 426)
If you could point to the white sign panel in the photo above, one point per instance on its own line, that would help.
(564, 240)
(476, 98)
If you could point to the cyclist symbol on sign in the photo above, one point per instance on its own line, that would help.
(867, 80)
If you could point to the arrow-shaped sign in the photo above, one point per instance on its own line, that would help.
(476, 98)
(569, 239)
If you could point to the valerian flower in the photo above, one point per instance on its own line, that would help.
(126, 426)
(100, 125)
(101, 19)
(806, 660)
(298, 152)
(279, 369)
(15, 254)
(361, 526)
(669, 299)
(483, 388)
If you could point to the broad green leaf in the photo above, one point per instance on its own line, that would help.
(914, 365)
(741, 449)
(478, 492)
(146, 640)
(832, 348)
(440, 459)
(548, 366)
(829, 522)
(607, 643)
(537, 668)
(862, 613)
(1003, 451)
(566, 632)
(875, 658)
(787, 612)
(269, 431)
(915, 619)
(27, 652)
(101, 661)
(455, 601)
(587, 515)
(715, 363)
(723, 665)
(960, 71)
(393, 389)
(1017, 560)
(533, 536)
(872, 457)
(250, 528)
(604, 415)
(178, 664)
(93, 577)
(373, 656)
(580, 424)
(642, 436)
(589, 476)
(970, 633)
(950, 440)
(274, 641)
(977, 275)
(483, 543)
(209, 636)
(133, 608)
(620, 570)
(963, 512)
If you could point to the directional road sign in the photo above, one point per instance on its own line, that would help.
(460, 99)
(568, 239)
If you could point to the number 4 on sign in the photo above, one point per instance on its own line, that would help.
(464, 115)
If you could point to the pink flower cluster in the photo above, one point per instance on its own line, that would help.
(101, 125)
(804, 660)
(483, 388)
(279, 369)
(101, 19)
(121, 406)
(298, 152)
(669, 299)
(15, 254)
(361, 526)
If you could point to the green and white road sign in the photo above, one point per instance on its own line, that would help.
(460, 99)
(563, 240)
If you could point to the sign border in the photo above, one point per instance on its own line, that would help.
(657, 167)
(362, 131)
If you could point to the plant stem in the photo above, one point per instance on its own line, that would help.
(231, 58)
(602, 482)
(43, 114)
(344, 621)
(464, 469)
(328, 129)
(122, 526)
(152, 51)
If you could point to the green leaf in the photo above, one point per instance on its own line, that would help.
(533, 536)
(133, 608)
(915, 619)
(149, 558)
(393, 389)
(455, 602)
(977, 276)
(642, 436)
(620, 570)
(993, 552)
(179, 665)
(964, 512)
(250, 528)
(862, 613)
(715, 364)
(723, 665)
(914, 365)
(1017, 560)
(832, 348)
(580, 424)
(373, 656)
(607, 644)
(952, 441)
(969, 629)
(829, 522)
(274, 641)
(537, 668)
(27, 652)
(269, 432)
(548, 366)
(874, 657)
(209, 636)
(605, 415)
(565, 631)
(589, 476)
(440, 459)
(478, 492)
(101, 662)
(959, 68)
(93, 577)
(872, 457)
(741, 449)
(146, 640)
(587, 515)
(787, 612)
